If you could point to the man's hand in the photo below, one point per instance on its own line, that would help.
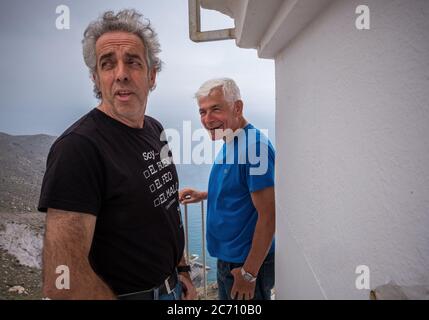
(189, 195)
(189, 291)
(242, 289)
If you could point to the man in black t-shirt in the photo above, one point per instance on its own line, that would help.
(113, 224)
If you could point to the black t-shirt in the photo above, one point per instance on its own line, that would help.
(102, 167)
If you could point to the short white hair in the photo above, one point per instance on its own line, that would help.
(231, 92)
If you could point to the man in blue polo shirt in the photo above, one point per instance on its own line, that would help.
(240, 197)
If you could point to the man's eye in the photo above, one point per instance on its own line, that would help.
(134, 63)
(106, 64)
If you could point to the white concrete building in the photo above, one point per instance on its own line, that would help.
(352, 139)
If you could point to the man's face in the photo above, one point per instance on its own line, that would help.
(217, 114)
(122, 74)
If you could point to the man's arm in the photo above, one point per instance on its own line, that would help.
(264, 202)
(68, 238)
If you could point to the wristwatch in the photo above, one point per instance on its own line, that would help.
(247, 276)
(184, 268)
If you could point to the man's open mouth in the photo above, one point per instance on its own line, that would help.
(123, 93)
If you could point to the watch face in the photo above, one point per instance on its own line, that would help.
(248, 277)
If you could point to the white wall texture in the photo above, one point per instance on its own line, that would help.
(352, 132)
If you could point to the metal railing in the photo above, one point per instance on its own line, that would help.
(195, 33)
(203, 237)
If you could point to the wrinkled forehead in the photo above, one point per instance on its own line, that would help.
(117, 40)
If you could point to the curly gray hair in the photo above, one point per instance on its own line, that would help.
(127, 20)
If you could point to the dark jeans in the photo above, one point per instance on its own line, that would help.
(264, 282)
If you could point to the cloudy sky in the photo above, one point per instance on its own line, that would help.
(45, 84)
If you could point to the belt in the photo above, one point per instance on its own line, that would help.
(152, 294)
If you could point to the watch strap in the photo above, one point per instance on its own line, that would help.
(186, 268)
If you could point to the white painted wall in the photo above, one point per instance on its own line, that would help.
(352, 132)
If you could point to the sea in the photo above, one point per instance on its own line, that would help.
(196, 177)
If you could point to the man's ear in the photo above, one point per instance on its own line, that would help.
(95, 79)
(238, 107)
(152, 78)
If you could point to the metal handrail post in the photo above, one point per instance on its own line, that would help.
(186, 233)
(204, 248)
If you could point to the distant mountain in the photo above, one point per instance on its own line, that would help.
(22, 165)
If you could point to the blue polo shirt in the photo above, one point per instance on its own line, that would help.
(243, 165)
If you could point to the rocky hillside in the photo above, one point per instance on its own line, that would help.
(22, 165)
(20, 255)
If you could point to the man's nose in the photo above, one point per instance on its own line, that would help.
(122, 72)
(208, 117)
